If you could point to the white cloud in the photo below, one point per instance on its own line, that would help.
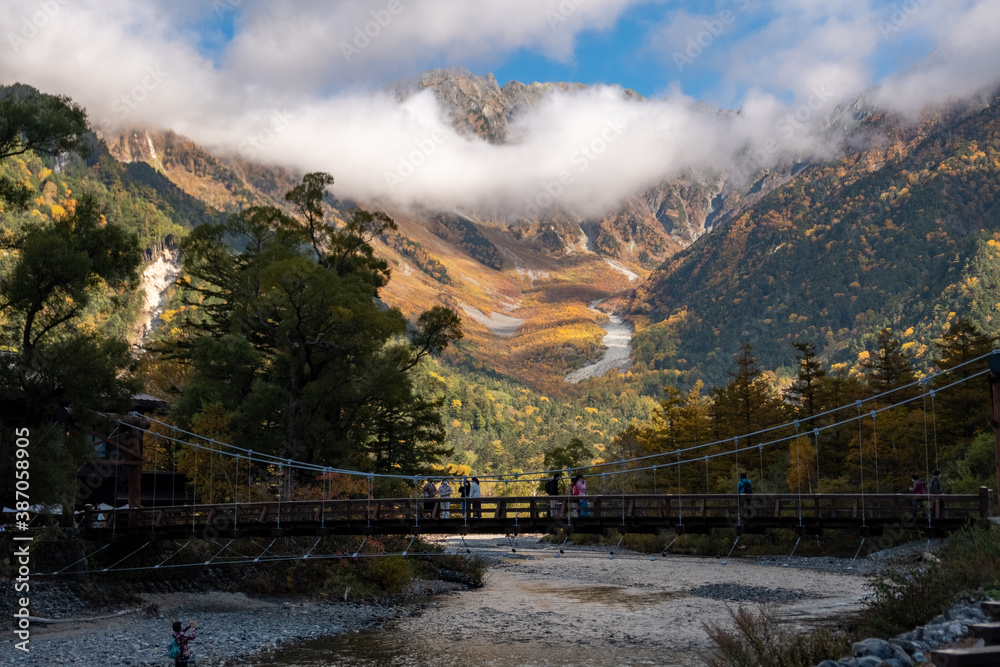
(284, 92)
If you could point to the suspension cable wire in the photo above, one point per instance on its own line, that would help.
(155, 567)
(861, 459)
(270, 460)
(680, 503)
(194, 497)
(211, 474)
(306, 466)
(878, 489)
(927, 453)
(127, 557)
(816, 445)
(937, 461)
(798, 469)
(93, 553)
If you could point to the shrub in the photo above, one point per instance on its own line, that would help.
(759, 640)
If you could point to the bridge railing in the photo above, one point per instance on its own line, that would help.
(763, 510)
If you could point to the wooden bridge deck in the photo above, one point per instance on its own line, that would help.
(807, 514)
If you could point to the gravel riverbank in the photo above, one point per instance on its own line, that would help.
(539, 606)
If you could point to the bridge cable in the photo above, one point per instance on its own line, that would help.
(731, 549)
(816, 441)
(696, 447)
(84, 558)
(680, 503)
(794, 547)
(927, 461)
(194, 498)
(851, 566)
(160, 564)
(861, 459)
(127, 557)
(937, 461)
(878, 488)
(798, 469)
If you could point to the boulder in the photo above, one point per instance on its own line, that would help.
(876, 648)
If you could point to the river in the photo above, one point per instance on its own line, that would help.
(617, 340)
(581, 608)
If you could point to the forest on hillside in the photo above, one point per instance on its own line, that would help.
(902, 234)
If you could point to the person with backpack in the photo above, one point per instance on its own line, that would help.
(179, 649)
(745, 486)
(552, 489)
(936, 488)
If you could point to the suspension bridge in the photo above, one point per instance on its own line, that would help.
(260, 486)
(868, 514)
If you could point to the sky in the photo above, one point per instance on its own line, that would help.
(301, 83)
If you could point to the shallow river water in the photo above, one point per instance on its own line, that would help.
(579, 609)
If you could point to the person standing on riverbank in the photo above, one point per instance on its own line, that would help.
(182, 637)
(445, 492)
(474, 492)
(430, 491)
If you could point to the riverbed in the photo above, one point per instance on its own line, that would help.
(618, 343)
(582, 607)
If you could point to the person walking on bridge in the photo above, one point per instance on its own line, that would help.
(430, 491)
(745, 486)
(552, 489)
(580, 489)
(445, 492)
(475, 492)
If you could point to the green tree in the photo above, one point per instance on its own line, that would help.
(802, 392)
(964, 409)
(57, 279)
(888, 368)
(288, 333)
(32, 121)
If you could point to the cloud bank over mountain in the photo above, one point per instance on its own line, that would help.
(292, 83)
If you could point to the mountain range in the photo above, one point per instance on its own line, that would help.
(894, 230)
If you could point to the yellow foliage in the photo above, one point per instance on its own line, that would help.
(455, 403)
(592, 411)
(57, 211)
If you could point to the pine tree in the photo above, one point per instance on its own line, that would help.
(889, 368)
(962, 410)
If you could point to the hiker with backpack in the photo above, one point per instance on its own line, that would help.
(745, 486)
(552, 489)
(179, 649)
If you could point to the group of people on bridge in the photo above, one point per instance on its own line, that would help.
(467, 488)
